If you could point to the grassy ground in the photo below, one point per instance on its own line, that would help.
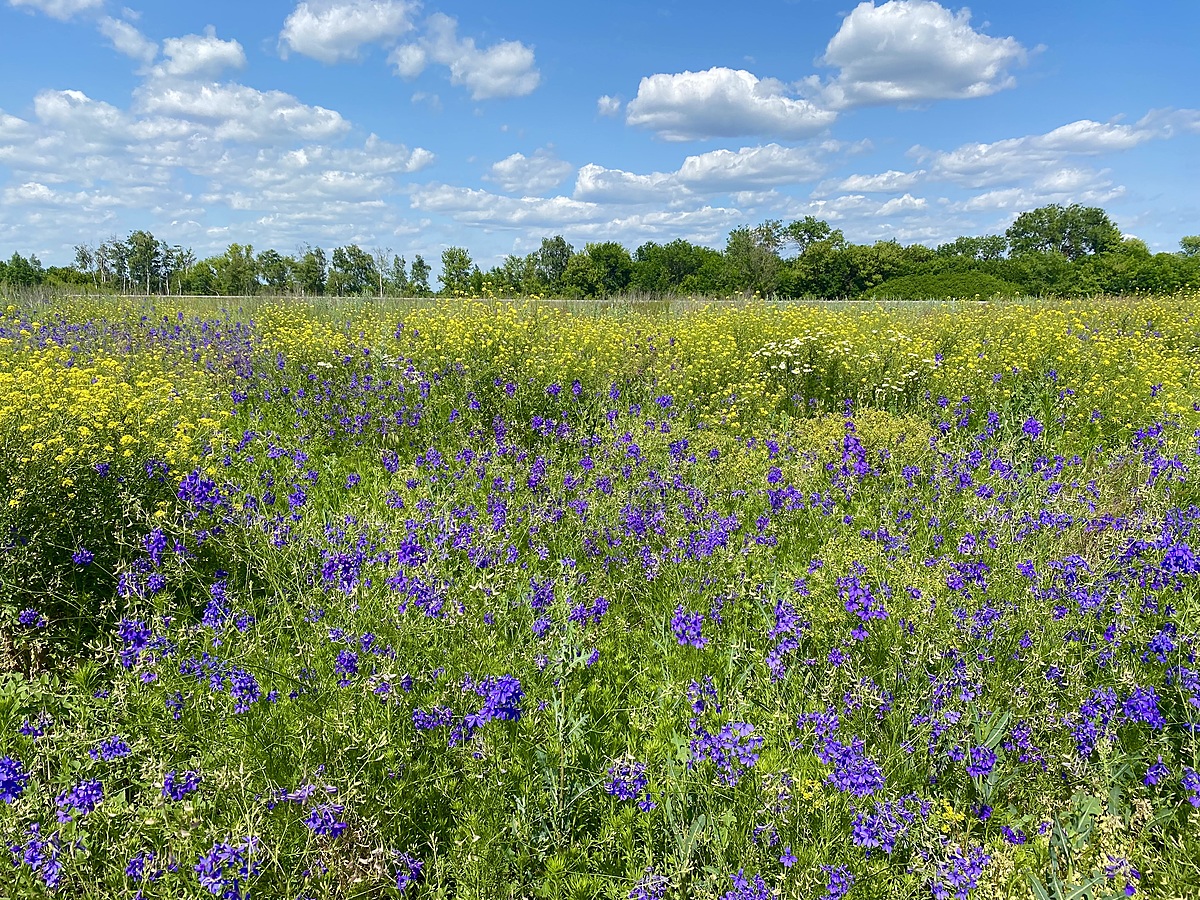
(312, 599)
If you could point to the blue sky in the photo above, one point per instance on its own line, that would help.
(417, 126)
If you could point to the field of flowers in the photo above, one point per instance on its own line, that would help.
(484, 600)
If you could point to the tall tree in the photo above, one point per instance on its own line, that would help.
(275, 269)
(85, 261)
(753, 262)
(552, 261)
(145, 260)
(397, 277)
(236, 271)
(351, 271)
(419, 279)
(456, 272)
(614, 264)
(311, 271)
(1073, 231)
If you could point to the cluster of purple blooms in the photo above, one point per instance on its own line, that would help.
(733, 750)
(627, 781)
(227, 866)
(79, 800)
(13, 778)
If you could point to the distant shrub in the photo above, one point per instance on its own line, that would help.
(943, 286)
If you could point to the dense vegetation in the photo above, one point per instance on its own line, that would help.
(471, 599)
(1052, 251)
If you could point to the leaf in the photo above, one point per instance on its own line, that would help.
(1039, 889)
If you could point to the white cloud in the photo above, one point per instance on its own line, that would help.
(721, 102)
(1014, 159)
(505, 69)
(754, 166)
(79, 164)
(578, 220)
(1014, 200)
(240, 113)
(706, 174)
(608, 106)
(596, 184)
(334, 30)
(200, 55)
(127, 40)
(528, 175)
(410, 60)
(906, 203)
(889, 182)
(476, 207)
(908, 51)
(58, 9)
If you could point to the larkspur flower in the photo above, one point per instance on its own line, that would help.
(408, 871)
(13, 778)
(838, 882)
(227, 866)
(981, 762)
(80, 800)
(178, 785)
(651, 886)
(687, 627)
(323, 818)
(109, 749)
(40, 855)
(746, 889)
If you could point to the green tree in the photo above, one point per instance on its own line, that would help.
(1190, 245)
(311, 271)
(275, 269)
(614, 264)
(677, 267)
(552, 260)
(1073, 231)
(988, 246)
(24, 272)
(236, 271)
(752, 261)
(112, 262)
(419, 277)
(85, 261)
(145, 260)
(351, 271)
(397, 278)
(583, 277)
(456, 272)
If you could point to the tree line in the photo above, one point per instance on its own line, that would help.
(1054, 250)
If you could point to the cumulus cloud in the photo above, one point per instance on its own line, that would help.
(755, 166)
(721, 102)
(608, 106)
(179, 158)
(204, 55)
(581, 220)
(1014, 159)
(58, 9)
(505, 69)
(127, 40)
(903, 204)
(889, 182)
(240, 113)
(478, 207)
(335, 30)
(908, 51)
(526, 175)
(706, 174)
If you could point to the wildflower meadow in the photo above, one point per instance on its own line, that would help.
(467, 599)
